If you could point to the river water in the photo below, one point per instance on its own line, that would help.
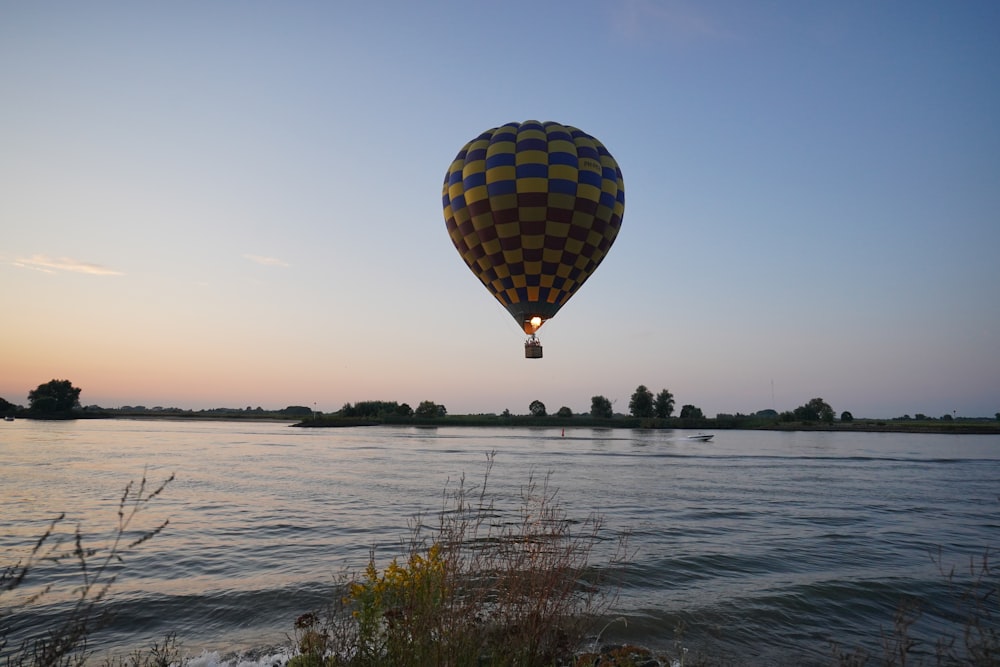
(764, 546)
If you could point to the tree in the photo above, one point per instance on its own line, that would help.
(691, 412)
(815, 410)
(824, 410)
(429, 410)
(55, 398)
(404, 410)
(600, 408)
(537, 408)
(846, 416)
(8, 408)
(641, 403)
(664, 404)
(564, 412)
(370, 409)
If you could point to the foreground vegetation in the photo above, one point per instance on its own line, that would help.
(485, 586)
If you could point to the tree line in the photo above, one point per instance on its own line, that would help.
(643, 404)
(382, 409)
(59, 399)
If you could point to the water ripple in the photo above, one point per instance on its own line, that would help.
(764, 546)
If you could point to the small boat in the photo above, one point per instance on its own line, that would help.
(701, 437)
(8, 418)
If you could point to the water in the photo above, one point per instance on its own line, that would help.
(766, 546)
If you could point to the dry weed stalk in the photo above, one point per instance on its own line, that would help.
(65, 643)
(485, 586)
(976, 612)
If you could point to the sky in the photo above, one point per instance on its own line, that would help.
(232, 204)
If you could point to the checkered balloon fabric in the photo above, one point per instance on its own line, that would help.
(533, 209)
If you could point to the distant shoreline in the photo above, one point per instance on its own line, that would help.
(962, 426)
(967, 427)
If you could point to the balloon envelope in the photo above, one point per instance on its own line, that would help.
(533, 209)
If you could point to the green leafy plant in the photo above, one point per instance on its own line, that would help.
(395, 608)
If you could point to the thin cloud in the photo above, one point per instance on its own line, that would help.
(266, 261)
(47, 264)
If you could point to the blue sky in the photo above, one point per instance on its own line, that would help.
(209, 204)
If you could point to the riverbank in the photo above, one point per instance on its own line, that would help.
(959, 426)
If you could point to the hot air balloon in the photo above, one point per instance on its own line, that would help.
(533, 208)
